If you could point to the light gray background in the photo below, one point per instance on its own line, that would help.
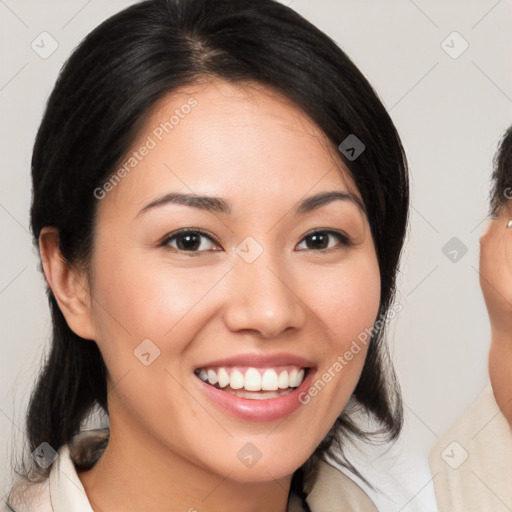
(450, 112)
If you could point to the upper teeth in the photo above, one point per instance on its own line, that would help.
(253, 379)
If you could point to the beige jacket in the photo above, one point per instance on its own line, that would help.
(471, 463)
(63, 491)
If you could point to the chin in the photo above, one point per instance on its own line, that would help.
(265, 469)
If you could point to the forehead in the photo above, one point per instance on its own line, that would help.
(221, 138)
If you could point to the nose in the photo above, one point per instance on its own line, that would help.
(263, 297)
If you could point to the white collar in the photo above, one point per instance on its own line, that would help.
(67, 493)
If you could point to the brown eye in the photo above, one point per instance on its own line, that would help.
(322, 240)
(189, 240)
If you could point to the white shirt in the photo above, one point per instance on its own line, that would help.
(471, 463)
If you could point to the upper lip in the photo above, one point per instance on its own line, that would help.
(260, 361)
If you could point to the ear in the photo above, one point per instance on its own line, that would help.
(69, 285)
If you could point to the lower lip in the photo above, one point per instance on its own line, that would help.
(257, 410)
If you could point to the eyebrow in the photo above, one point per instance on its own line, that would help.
(219, 205)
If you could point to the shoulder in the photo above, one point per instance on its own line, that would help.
(327, 489)
(470, 463)
(62, 491)
(30, 497)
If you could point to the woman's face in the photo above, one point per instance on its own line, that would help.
(254, 297)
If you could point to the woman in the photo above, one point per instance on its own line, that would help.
(220, 202)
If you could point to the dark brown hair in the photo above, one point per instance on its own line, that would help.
(501, 188)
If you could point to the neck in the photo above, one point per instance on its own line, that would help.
(149, 476)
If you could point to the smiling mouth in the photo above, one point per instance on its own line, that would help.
(254, 383)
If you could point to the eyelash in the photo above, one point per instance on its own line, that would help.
(342, 238)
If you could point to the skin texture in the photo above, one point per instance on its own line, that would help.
(496, 284)
(170, 447)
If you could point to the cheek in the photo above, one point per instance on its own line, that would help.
(149, 297)
(347, 299)
(346, 302)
